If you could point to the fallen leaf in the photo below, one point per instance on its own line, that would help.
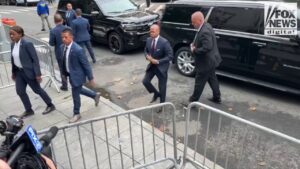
(131, 83)
(253, 108)
(262, 163)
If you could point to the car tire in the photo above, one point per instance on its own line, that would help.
(115, 43)
(185, 62)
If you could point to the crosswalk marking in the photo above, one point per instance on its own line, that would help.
(4, 12)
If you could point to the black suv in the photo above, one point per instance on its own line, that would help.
(248, 54)
(118, 23)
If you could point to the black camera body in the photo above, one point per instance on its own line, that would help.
(23, 151)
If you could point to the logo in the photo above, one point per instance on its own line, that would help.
(280, 18)
(34, 139)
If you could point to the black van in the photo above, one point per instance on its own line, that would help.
(118, 23)
(248, 54)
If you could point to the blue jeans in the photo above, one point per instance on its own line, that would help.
(88, 45)
(76, 91)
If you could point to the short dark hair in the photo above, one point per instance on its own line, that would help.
(18, 29)
(58, 18)
(78, 12)
(68, 30)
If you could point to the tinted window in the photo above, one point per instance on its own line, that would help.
(116, 6)
(237, 19)
(182, 14)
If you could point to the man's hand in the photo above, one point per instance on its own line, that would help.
(149, 57)
(13, 77)
(92, 83)
(155, 61)
(39, 79)
(193, 47)
(4, 165)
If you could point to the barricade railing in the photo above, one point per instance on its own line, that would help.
(45, 60)
(124, 140)
(216, 139)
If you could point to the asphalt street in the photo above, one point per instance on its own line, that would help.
(119, 78)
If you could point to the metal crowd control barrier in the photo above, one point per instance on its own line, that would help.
(134, 138)
(45, 60)
(215, 139)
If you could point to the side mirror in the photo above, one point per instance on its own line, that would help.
(95, 13)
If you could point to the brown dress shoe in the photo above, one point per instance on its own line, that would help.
(75, 118)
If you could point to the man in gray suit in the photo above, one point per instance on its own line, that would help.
(207, 58)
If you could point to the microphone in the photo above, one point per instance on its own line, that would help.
(46, 139)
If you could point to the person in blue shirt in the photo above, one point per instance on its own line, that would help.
(43, 12)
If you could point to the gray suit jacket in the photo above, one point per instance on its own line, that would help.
(206, 54)
(29, 60)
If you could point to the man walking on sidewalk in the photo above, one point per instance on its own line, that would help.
(56, 41)
(43, 12)
(207, 58)
(77, 67)
(81, 28)
(159, 54)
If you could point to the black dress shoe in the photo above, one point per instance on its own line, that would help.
(154, 98)
(64, 88)
(27, 113)
(215, 100)
(49, 109)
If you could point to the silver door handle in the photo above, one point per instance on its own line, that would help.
(259, 44)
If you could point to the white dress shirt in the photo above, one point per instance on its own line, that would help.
(67, 57)
(16, 54)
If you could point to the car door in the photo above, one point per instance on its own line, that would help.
(233, 36)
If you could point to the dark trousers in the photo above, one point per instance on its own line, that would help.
(88, 45)
(76, 91)
(21, 83)
(200, 81)
(64, 79)
(162, 82)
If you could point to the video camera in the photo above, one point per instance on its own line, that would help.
(22, 150)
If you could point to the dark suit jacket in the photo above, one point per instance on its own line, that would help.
(71, 17)
(79, 66)
(163, 53)
(206, 54)
(56, 39)
(81, 27)
(29, 60)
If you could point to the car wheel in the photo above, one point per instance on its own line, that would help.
(115, 43)
(185, 61)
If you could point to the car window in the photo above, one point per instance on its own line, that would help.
(237, 19)
(182, 14)
(63, 4)
(116, 6)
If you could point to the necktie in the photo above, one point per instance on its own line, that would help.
(153, 47)
(65, 60)
(68, 14)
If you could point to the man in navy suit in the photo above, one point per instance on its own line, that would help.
(159, 54)
(56, 41)
(77, 67)
(81, 28)
(70, 14)
(26, 71)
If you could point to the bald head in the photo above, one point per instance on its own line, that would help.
(197, 19)
(58, 19)
(154, 30)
